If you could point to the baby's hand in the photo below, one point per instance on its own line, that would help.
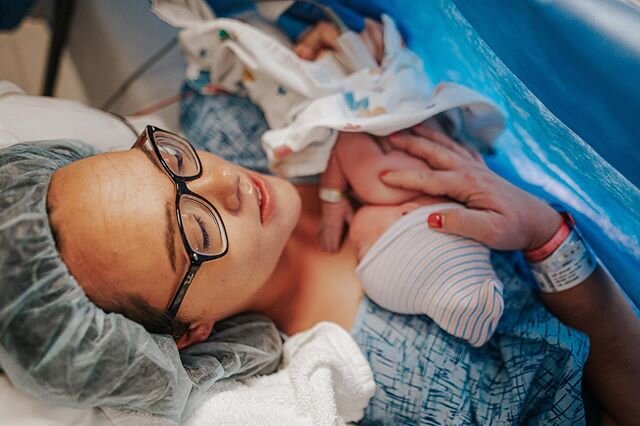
(334, 217)
(373, 37)
(324, 36)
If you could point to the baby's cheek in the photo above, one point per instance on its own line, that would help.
(370, 222)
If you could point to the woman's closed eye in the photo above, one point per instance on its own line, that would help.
(205, 235)
(175, 161)
(180, 161)
(202, 231)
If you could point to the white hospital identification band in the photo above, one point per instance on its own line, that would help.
(331, 195)
(569, 265)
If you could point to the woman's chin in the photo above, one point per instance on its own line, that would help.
(287, 204)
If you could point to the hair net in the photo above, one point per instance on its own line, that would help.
(59, 347)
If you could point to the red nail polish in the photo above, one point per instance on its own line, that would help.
(384, 172)
(435, 220)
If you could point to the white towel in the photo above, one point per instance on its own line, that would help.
(324, 380)
(306, 103)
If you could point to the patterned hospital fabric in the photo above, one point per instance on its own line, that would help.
(530, 371)
(227, 125)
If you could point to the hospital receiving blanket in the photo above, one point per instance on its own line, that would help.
(306, 103)
(324, 380)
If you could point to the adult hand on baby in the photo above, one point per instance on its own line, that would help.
(497, 214)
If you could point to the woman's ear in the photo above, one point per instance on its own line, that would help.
(198, 332)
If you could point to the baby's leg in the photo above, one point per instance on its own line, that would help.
(362, 161)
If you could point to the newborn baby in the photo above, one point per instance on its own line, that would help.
(404, 266)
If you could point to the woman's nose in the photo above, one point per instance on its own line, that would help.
(220, 185)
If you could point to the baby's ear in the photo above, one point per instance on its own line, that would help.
(198, 332)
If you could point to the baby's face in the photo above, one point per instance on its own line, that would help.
(370, 222)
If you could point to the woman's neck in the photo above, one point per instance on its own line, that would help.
(282, 289)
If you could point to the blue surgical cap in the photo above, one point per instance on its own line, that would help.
(59, 347)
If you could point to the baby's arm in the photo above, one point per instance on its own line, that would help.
(362, 161)
(334, 214)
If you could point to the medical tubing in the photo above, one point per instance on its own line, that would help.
(162, 52)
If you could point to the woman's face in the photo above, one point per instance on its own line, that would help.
(115, 221)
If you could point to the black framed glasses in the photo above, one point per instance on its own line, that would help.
(201, 227)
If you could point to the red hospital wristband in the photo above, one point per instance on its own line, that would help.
(544, 251)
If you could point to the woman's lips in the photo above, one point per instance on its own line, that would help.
(268, 203)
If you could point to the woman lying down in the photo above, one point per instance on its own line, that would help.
(180, 239)
(422, 376)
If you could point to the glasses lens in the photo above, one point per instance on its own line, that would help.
(178, 154)
(202, 226)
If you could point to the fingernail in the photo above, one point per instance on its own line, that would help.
(435, 220)
(383, 173)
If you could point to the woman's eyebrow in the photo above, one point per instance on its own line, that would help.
(170, 235)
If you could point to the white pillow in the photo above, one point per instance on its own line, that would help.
(17, 408)
(25, 118)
